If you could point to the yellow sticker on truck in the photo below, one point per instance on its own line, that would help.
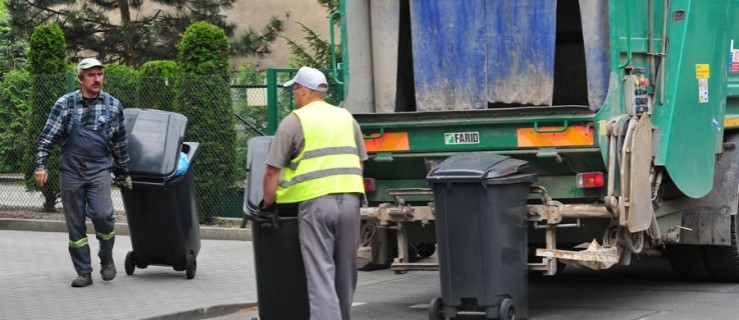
(703, 73)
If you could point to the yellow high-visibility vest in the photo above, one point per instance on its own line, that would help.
(329, 162)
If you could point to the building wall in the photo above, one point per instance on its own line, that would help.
(257, 13)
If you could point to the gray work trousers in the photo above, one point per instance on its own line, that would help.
(329, 239)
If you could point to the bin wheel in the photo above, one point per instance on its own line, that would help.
(130, 263)
(436, 311)
(191, 265)
(507, 311)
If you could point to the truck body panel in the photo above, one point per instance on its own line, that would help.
(688, 119)
(625, 109)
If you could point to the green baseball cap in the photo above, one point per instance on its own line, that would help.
(88, 63)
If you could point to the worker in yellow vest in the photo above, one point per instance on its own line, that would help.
(315, 161)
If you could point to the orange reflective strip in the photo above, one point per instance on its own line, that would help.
(389, 141)
(573, 136)
(731, 122)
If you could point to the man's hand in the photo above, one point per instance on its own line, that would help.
(122, 179)
(269, 212)
(40, 177)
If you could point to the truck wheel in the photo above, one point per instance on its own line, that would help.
(412, 253)
(426, 250)
(687, 262)
(723, 261)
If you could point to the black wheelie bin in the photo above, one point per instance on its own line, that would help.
(480, 207)
(160, 209)
(281, 285)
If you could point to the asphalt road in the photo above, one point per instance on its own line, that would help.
(645, 290)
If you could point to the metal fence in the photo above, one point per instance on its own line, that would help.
(249, 116)
(249, 104)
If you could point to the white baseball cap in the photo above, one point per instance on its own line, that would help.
(310, 78)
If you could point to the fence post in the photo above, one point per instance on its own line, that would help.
(271, 101)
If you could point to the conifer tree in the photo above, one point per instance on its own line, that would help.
(12, 49)
(119, 31)
(204, 97)
(317, 54)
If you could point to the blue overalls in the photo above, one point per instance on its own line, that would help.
(85, 187)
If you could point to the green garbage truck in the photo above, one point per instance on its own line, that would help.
(627, 111)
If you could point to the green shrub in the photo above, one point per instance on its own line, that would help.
(156, 88)
(204, 96)
(14, 111)
(121, 81)
(46, 55)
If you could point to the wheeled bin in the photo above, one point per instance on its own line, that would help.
(480, 208)
(161, 210)
(281, 284)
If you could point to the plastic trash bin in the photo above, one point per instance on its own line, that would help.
(281, 285)
(161, 211)
(480, 207)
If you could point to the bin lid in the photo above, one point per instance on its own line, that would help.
(154, 141)
(256, 162)
(476, 166)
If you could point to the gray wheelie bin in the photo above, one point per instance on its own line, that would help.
(281, 283)
(161, 211)
(480, 207)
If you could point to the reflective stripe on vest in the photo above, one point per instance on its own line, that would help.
(329, 162)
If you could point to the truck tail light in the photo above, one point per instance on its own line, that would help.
(589, 180)
(369, 184)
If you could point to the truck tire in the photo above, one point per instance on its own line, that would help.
(425, 250)
(723, 261)
(688, 262)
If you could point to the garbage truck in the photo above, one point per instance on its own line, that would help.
(626, 110)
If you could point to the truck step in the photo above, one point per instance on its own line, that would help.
(595, 257)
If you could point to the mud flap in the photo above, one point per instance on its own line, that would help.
(708, 221)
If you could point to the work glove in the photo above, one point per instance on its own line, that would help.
(269, 212)
(122, 179)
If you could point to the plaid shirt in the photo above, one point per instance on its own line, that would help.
(57, 127)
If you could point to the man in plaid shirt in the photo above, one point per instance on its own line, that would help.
(89, 126)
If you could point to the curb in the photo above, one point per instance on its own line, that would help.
(206, 313)
(206, 233)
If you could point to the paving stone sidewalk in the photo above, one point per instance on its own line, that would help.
(37, 272)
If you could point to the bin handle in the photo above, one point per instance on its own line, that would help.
(153, 184)
(250, 214)
(563, 129)
(166, 182)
